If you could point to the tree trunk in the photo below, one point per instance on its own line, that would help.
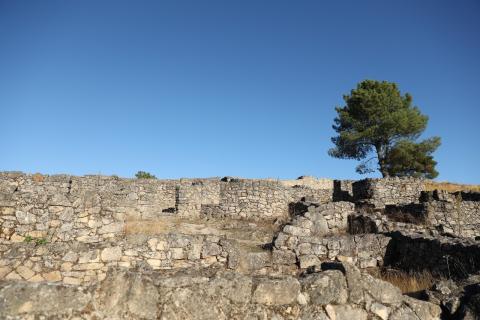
(381, 160)
(384, 172)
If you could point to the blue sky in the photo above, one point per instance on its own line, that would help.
(213, 88)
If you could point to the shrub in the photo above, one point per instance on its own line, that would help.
(144, 175)
(37, 241)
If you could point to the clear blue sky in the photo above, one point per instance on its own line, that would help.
(213, 88)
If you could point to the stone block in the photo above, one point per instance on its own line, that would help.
(25, 272)
(111, 254)
(276, 291)
(52, 276)
(307, 261)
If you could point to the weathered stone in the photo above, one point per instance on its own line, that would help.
(276, 291)
(326, 287)
(152, 244)
(382, 291)
(177, 253)
(88, 266)
(70, 256)
(111, 254)
(403, 313)
(307, 261)
(183, 303)
(73, 281)
(52, 276)
(424, 310)
(121, 292)
(25, 217)
(255, 261)
(4, 271)
(154, 263)
(211, 249)
(13, 276)
(36, 278)
(24, 272)
(52, 300)
(380, 310)
(345, 312)
(283, 257)
(89, 256)
(354, 283)
(233, 286)
(111, 228)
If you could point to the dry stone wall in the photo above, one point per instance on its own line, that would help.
(94, 208)
(192, 196)
(443, 256)
(388, 191)
(79, 263)
(264, 199)
(319, 234)
(254, 199)
(86, 233)
(461, 219)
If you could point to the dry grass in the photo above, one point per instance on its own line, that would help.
(450, 187)
(37, 177)
(408, 282)
(146, 227)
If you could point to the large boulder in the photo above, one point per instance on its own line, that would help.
(276, 291)
(19, 299)
(325, 287)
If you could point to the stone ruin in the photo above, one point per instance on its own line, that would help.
(98, 247)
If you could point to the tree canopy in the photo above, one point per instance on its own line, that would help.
(380, 124)
(144, 175)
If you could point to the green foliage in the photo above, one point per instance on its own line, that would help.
(144, 175)
(413, 159)
(37, 241)
(40, 241)
(379, 123)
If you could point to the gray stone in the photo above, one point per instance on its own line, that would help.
(233, 286)
(345, 312)
(111, 254)
(276, 291)
(25, 217)
(123, 292)
(403, 313)
(211, 249)
(285, 257)
(307, 261)
(424, 310)
(111, 228)
(354, 283)
(56, 300)
(382, 291)
(326, 287)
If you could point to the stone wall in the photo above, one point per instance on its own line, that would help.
(265, 199)
(80, 263)
(388, 191)
(320, 234)
(461, 219)
(253, 247)
(94, 208)
(85, 209)
(254, 199)
(192, 195)
(434, 217)
(443, 256)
